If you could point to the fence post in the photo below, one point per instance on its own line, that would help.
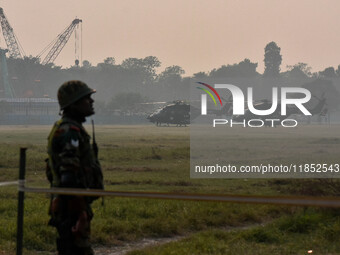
(21, 197)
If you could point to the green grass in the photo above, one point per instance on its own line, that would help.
(295, 233)
(136, 158)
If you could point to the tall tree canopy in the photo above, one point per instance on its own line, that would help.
(243, 69)
(299, 70)
(272, 60)
(329, 72)
(172, 75)
(145, 67)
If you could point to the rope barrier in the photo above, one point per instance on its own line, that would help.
(295, 201)
(8, 183)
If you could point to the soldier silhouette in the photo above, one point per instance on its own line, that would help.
(73, 163)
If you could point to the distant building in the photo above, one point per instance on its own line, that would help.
(28, 111)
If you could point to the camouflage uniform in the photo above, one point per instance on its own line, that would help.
(72, 163)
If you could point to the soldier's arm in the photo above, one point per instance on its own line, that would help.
(67, 155)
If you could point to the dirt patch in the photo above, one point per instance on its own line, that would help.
(121, 250)
(149, 242)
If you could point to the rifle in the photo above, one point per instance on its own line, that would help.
(95, 148)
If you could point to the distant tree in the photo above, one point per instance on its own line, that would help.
(329, 72)
(86, 64)
(110, 61)
(133, 63)
(246, 68)
(219, 72)
(172, 75)
(151, 63)
(107, 65)
(243, 69)
(31, 60)
(272, 60)
(147, 63)
(173, 70)
(299, 70)
(127, 102)
(200, 75)
(338, 71)
(142, 68)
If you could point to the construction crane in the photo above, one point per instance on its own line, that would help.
(14, 47)
(9, 91)
(60, 42)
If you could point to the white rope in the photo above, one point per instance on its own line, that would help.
(8, 183)
(296, 201)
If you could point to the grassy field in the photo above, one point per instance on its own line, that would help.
(149, 158)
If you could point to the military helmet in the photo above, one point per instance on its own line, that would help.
(71, 91)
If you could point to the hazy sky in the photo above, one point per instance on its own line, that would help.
(197, 35)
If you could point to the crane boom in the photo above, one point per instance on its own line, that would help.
(11, 41)
(62, 39)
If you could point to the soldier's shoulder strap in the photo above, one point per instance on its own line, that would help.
(73, 124)
(66, 121)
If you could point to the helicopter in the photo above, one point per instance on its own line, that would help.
(178, 112)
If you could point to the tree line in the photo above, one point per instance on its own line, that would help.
(137, 78)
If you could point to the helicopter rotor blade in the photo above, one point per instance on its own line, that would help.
(155, 103)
